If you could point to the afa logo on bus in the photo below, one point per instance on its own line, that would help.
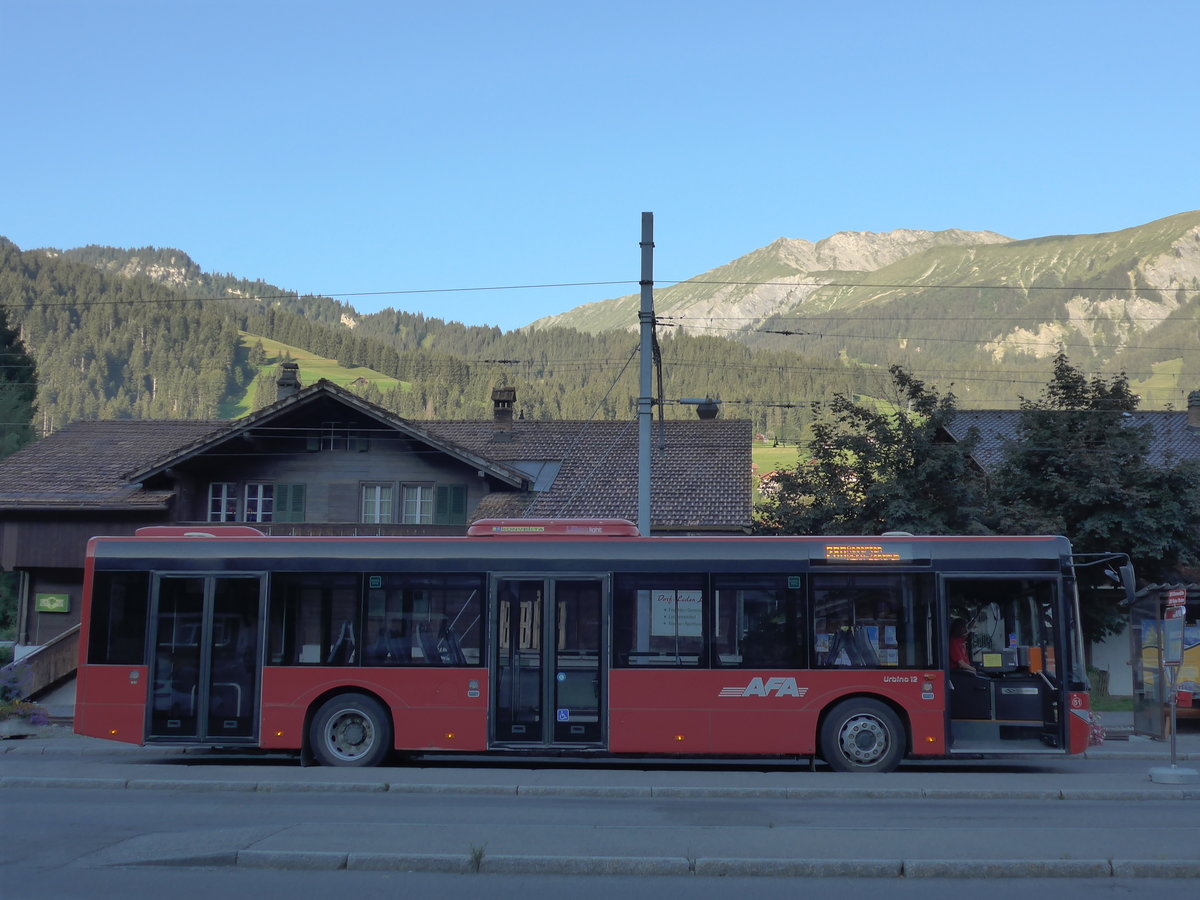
(769, 687)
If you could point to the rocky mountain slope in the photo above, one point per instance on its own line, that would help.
(1106, 291)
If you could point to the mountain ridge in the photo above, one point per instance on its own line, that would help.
(1104, 292)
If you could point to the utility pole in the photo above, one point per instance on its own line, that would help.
(645, 400)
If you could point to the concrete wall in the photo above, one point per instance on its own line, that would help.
(1112, 656)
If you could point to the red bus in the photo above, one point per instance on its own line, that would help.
(561, 637)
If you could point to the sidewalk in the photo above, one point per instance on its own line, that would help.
(58, 758)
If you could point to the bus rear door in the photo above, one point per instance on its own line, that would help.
(205, 649)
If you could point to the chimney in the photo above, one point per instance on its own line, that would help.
(502, 413)
(1194, 412)
(288, 382)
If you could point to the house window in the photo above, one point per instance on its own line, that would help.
(333, 436)
(260, 502)
(377, 504)
(340, 436)
(222, 501)
(418, 504)
(451, 505)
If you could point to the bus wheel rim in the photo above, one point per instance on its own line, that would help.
(864, 739)
(350, 734)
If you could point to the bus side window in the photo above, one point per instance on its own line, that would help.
(873, 621)
(314, 619)
(758, 622)
(416, 619)
(120, 607)
(658, 621)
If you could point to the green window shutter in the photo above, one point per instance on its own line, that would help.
(450, 504)
(289, 502)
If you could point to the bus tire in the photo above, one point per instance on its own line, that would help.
(350, 730)
(862, 736)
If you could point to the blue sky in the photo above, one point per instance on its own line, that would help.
(362, 146)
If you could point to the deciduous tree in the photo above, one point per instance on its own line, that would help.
(1079, 467)
(874, 470)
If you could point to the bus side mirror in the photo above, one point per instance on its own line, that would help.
(1128, 582)
(1123, 575)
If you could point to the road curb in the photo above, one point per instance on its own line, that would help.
(800, 868)
(1170, 868)
(1009, 868)
(715, 867)
(594, 791)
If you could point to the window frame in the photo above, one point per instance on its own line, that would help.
(379, 509)
(426, 503)
(260, 508)
(228, 494)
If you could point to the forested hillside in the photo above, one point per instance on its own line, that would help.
(146, 333)
(112, 347)
(119, 334)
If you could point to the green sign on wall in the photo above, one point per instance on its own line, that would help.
(53, 603)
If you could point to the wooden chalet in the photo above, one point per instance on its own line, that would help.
(321, 460)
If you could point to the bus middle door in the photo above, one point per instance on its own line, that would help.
(548, 662)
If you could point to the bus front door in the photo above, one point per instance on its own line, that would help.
(204, 663)
(1006, 678)
(548, 662)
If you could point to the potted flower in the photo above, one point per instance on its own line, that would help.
(18, 717)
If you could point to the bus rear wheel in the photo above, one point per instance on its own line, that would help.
(862, 736)
(350, 730)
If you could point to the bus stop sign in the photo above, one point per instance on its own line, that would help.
(1173, 620)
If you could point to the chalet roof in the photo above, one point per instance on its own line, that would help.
(305, 396)
(83, 465)
(1171, 441)
(700, 480)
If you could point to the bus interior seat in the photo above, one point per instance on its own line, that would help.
(429, 645)
(457, 657)
(854, 642)
(970, 696)
(343, 648)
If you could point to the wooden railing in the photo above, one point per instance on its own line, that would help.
(52, 663)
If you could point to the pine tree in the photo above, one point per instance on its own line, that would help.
(18, 389)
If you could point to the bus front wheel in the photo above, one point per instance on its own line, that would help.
(862, 736)
(351, 730)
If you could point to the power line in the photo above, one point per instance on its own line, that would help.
(294, 295)
(973, 287)
(830, 317)
(665, 285)
(898, 337)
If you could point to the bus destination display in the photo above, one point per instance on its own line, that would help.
(867, 553)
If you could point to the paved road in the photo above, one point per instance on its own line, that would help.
(72, 802)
